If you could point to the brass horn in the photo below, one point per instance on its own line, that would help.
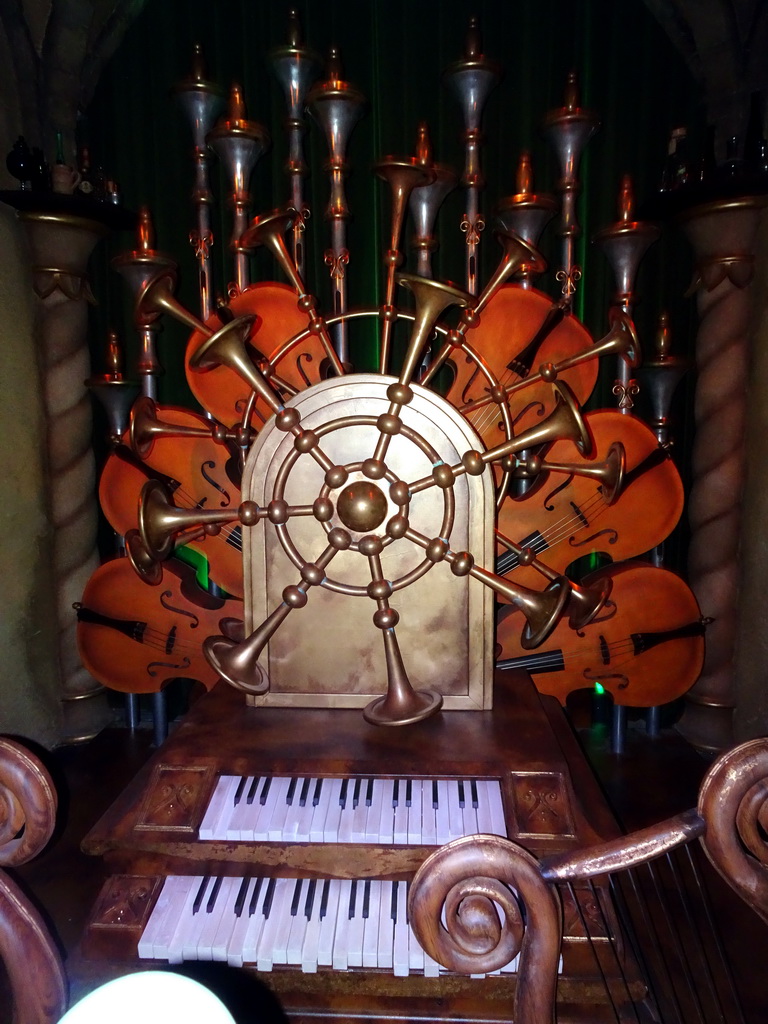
(431, 297)
(269, 230)
(238, 663)
(145, 427)
(564, 423)
(609, 473)
(160, 519)
(227, 348)
(542, 609)
(584, 602)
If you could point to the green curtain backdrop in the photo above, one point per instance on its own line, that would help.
(395, 52)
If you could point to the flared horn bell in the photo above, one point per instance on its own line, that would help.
(431, 298)
(609, 473)
(269, 230)
(157, 297)
(564, 423)
(227, 348)
(146, 427)
(586, 602)
(160, 520)
(238, 663)
(144, 565)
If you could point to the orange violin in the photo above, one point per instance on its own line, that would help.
(502, 341)
(646, 647)
(565, 515)
(135, 638)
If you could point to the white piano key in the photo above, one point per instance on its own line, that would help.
(346, 817)
(442, 824)
(329, 801)
(269, 794)
(256, 922)
(371, 916)
(373, 822)
(227, 921)
(356, 925)
(310, 945)
(400, 958)
(498, 821)
(197, 921)
(484, 820)
(157, 921)
(415, 952)
(280, 946)
(237, 818)
(428, 813)
(455, 817)
(343, 925)
(386, 824)
(360, 812)
(298, 925)
(213, 825)
(280, 811)
(329, 913)
(183, 921)
(414, 835)
(511, 967)
(431, 967)
(213, 917)
(234, 952)
(469, 811)
(306, 813)
(386, 939)
(400, 814)
(279, 896)
(294, 812)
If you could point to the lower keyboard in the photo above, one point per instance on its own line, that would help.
(307, 923)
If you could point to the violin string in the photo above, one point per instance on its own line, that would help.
(560, 529)
(616, 648)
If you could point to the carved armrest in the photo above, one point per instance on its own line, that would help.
(27, 818)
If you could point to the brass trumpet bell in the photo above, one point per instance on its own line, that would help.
(227, 348)
(145, 428)
(160, 519)
(401, 704)
(144, 565)
(236, 664)
(609, 474)
(542, 610)
(564, 423)
(586, 602)
(269, 230)
(432, 298)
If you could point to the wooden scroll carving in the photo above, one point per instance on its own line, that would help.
(27, 818)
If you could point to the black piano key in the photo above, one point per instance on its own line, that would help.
(254, 900)
(324, 898)
(241, 894)
(200, 894)
(309, 902)
(291, 790)
(435, 801)
(269, 896)
(318, 791)
(356, 792)
(304, 790)
(265, 790)
(343, 793)
(252, 790)
(393, 904)
(366, 897)
(214, 895)
(369, 793)
(408, 793)
(473, 790)
(462, 802)
(296, 898)
(240, 789)
(396, 793)
(352, 899)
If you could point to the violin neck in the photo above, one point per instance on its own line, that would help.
(642, 642)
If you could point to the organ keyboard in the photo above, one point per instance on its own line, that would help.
(427, 812)
(297, 809)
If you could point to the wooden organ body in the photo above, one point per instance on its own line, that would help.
(551, 801)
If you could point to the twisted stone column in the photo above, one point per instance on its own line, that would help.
(60, 246)
(722, 234)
